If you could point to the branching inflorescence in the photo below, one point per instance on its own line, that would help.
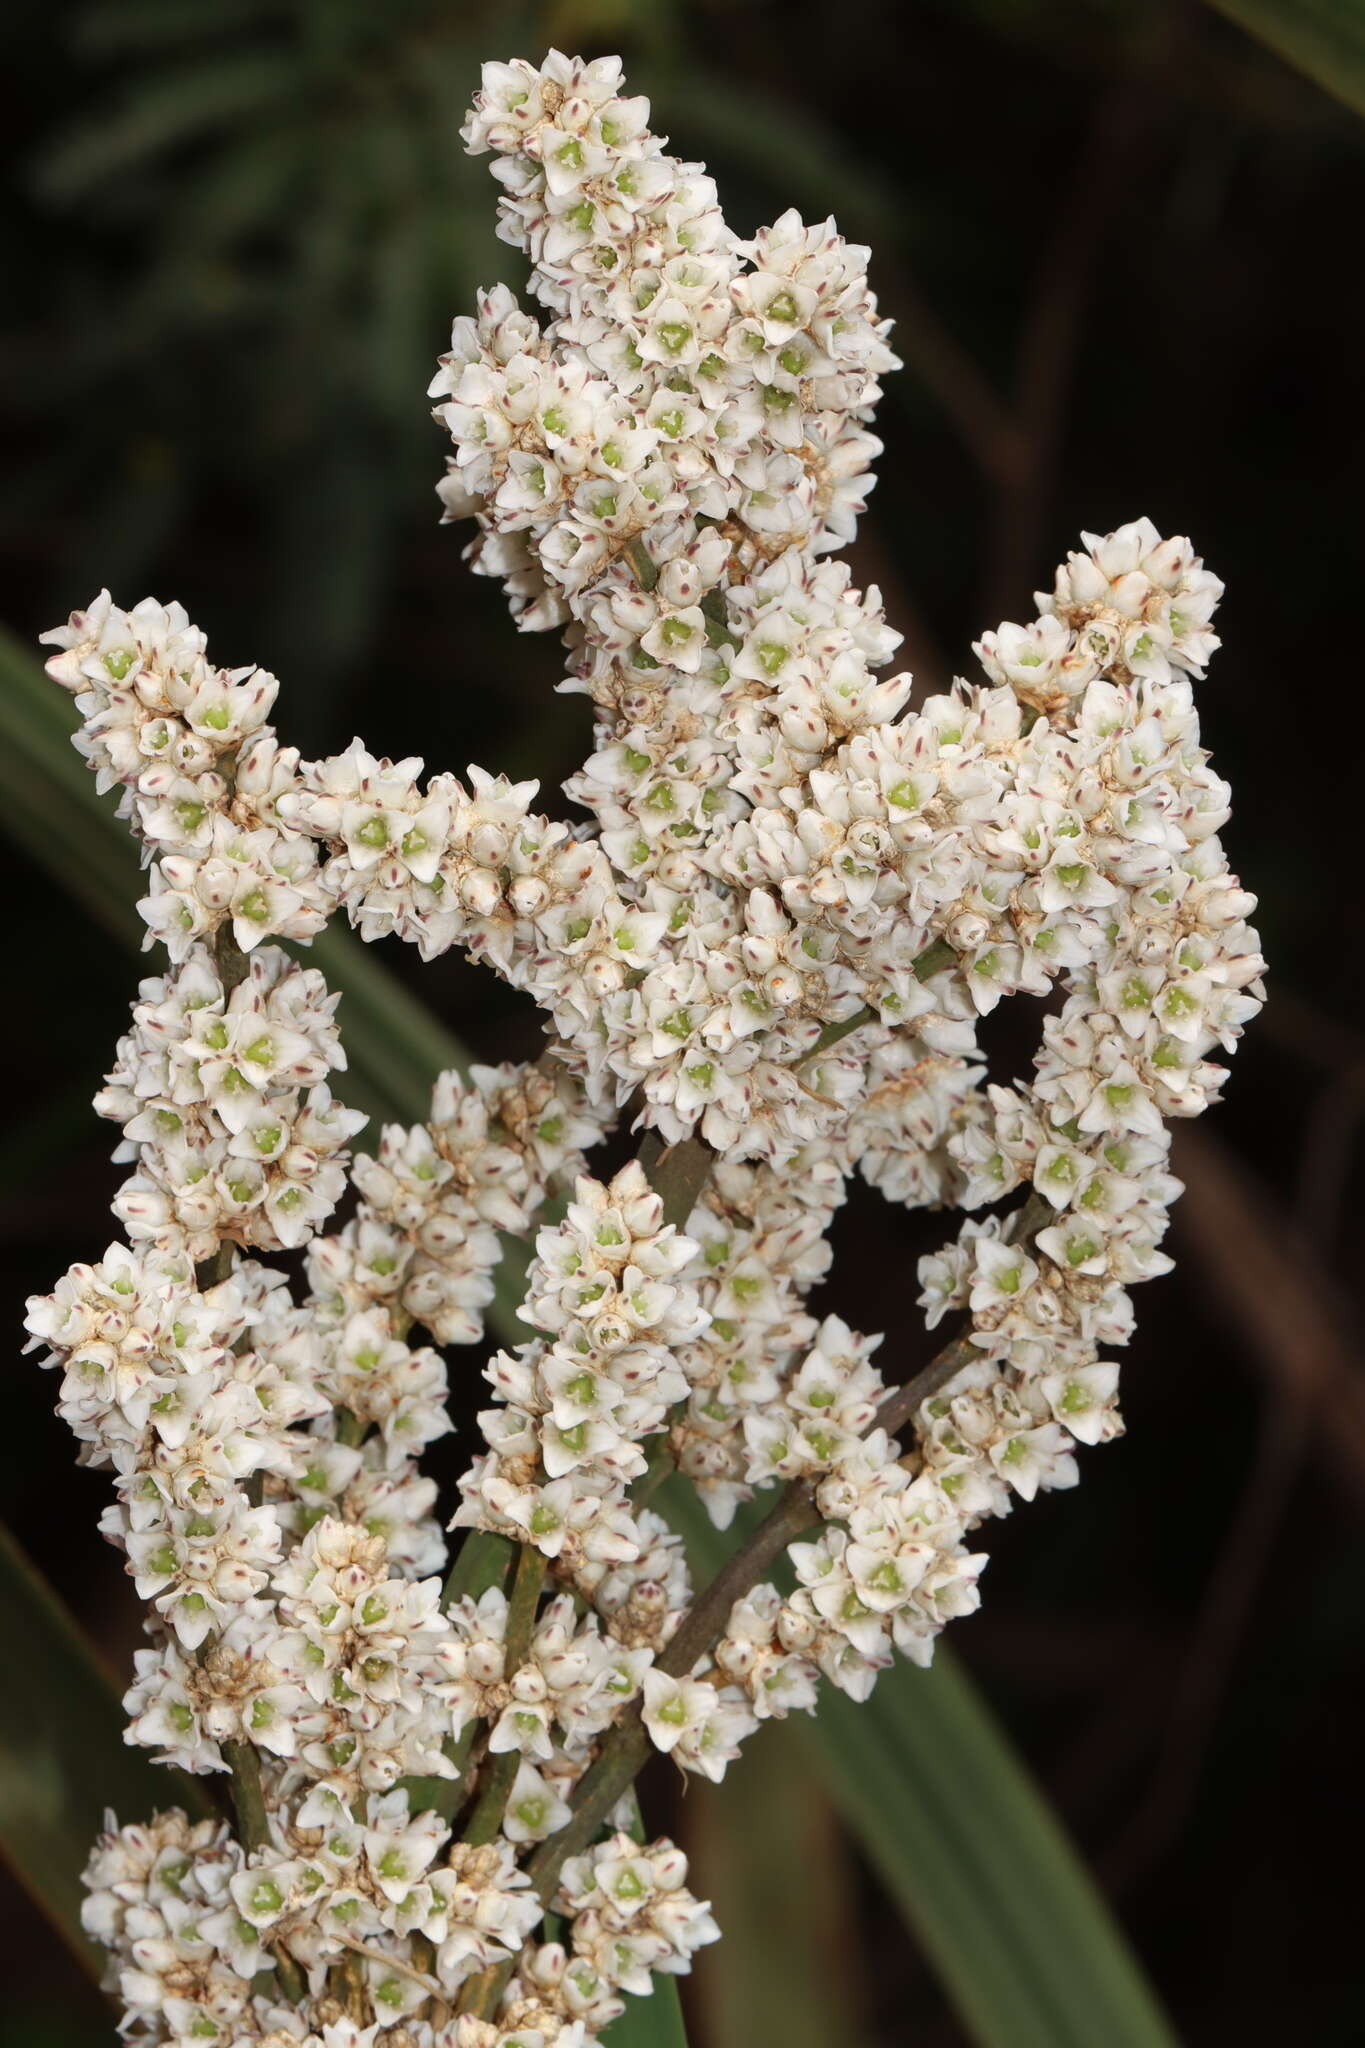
(766, 948)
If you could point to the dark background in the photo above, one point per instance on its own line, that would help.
(1120, 246)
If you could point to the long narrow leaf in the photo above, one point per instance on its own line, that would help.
(1323, 38)
(652, 2022)
(768, 1851)
(63, 1760)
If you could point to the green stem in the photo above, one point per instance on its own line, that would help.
(481, 1994)
(831, 1033)
(499, 1772)
(645, 567)
(677, 1173)
(482, 1560)
(934, 959)
(253, 1825)
(349, 1427)
(215, 1268)
(241, 1758)
(253, 1830)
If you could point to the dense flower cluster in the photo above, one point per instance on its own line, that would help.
(791, 894)
(605, 1293)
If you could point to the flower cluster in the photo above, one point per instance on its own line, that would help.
(606, 1294)
(548, 1710)
(222, 1096)
(199, 769)
(485, 1161)
(790, 894)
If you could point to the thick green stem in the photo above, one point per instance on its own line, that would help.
(253, 1826)
(215, 1268)
(241, 1758)
(481, 1994)
(934, 959)
(642, 562)
(832, 1033)
(499, 1771)
(253, 1831)
(482, 1560)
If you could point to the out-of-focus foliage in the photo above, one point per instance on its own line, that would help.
(1325, 38)
(290, 216)
(63, 1761)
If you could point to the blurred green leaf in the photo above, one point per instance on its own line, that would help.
(1005, 1911)
(50, 805)
(169, 108)
(156, 24)
(1323, 38)
(652, 2022)
(767, 1849)
(63, 1760)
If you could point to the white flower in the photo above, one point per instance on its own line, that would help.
(787, 896)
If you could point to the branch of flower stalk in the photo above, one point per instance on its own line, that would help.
(482, 1992)
(935, 957)
(642, 562)
(679, 1175)
(244, 1765)
(486, 1817)
(489, 1561)
(627, 1747)
(253, 1829)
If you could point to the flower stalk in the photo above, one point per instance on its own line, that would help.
(788, 902)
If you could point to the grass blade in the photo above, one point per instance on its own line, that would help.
(653, 2022)
(63, 1759)
(1325, 39)
(768, 1851)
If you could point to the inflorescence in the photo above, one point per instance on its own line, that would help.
(793, 892)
